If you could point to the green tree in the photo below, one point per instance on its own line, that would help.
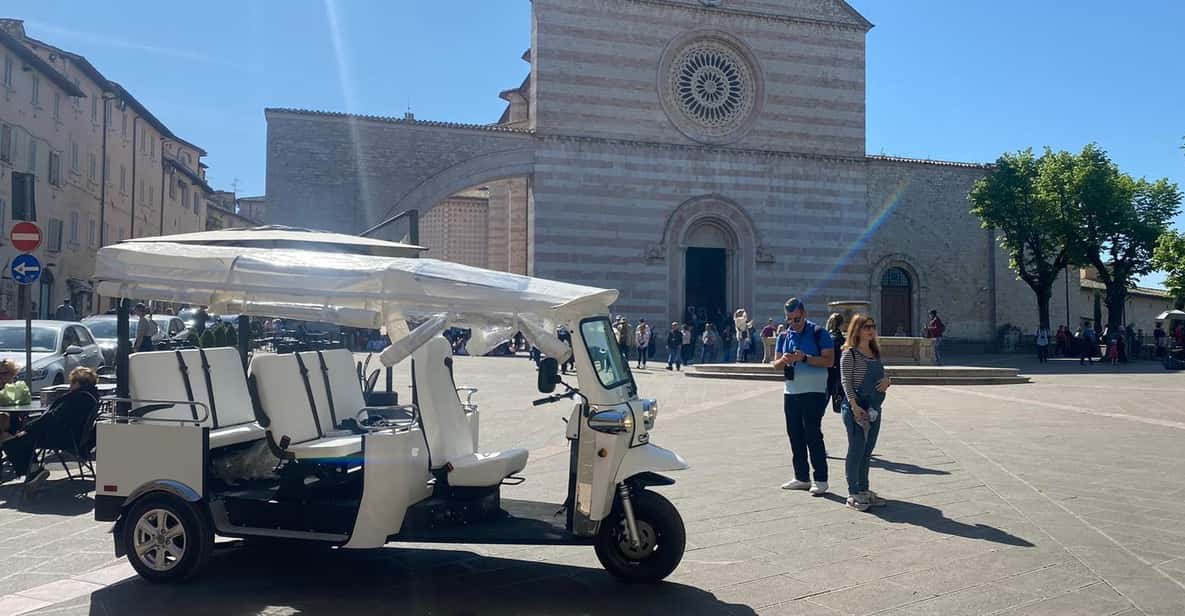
(1117, 222)
(1169, 256)
(1027, 200)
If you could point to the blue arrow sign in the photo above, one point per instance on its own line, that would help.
(26, 269)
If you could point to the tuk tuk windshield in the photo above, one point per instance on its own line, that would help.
(606, 358)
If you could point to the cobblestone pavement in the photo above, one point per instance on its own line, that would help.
(1063, 496)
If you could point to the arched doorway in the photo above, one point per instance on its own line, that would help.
(706, 264)
(896, 302)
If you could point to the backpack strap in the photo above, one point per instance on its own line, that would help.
(308, 391)
(328, 388)
(188, 387)
(209, 389)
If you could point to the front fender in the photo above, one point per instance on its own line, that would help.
(649, 458)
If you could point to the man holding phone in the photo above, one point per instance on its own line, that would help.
(804, 353)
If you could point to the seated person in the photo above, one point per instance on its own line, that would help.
(59, 428)
(8, 372)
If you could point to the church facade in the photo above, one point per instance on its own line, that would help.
(706, 153)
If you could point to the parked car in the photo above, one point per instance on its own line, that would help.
(169, 329)
(189, 316)
(58, 347)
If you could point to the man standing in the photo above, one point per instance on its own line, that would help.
(642, 335)
(767, 341)
(675, 347)
(1089, 345)
(65, 312)
(804, 353)
(934, 329)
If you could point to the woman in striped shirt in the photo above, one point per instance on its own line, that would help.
(864, 383)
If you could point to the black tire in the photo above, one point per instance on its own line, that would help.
(663, 540)
(164, 511)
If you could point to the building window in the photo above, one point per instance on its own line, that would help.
(91, 173)
(73, 227)
(5, 143)
(142, 193)
(123, 179)
(196, 202)
(36, 90)
(90, 233)
(24, 204)
(53, 240)
(55, 168)
(75, 164)
(8, 71)
(3, 216)
(124, 119)
(94, 109)
(106, 234)
(77, 100)
(151, 194)
(32, 156)
(184, 195)
(185, 159)
(152, 149)
(57, 107)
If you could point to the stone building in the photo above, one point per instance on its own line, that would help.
(84, 159)
(224, 212)
(688, 153)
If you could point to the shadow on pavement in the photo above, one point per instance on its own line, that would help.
(277, 580)
(904, 468)
(902, 512)
(68, 497)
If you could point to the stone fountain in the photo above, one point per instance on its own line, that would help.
(897, 350)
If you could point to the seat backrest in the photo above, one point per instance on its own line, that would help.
(158, 375)
(338, 369)
(446, 428)
(283, 399)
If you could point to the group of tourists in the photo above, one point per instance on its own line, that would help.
(837, 366)
(1116, 345)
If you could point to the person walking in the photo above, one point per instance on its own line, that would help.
(1042, 344)
(146, 329)
(935, 328)
(642, 335)
(1060, 337)
(865, 384)
(65, 312)
(675, 347)
(709, 339)
(1089, 345)
(804, 353)
(623, 333)
(835, 392)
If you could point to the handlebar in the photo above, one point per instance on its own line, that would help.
(571, 393)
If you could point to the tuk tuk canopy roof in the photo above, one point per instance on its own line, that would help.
(346, 289)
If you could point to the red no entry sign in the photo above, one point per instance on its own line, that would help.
(25, 236)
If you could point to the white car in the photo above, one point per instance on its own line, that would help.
(58, 347)
(102, 327)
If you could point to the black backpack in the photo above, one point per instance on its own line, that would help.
(834, 388)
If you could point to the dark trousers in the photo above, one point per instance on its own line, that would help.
(675, 357)
(38, 434)
(804, 425)
(1086, 354)
(1043, 353)
(860, 446)
(642, 355)
(707, 354)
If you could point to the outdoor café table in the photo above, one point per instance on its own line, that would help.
(21, 412)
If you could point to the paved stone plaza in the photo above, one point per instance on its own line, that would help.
(1063, 496)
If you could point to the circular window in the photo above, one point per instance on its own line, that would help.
(710, 88)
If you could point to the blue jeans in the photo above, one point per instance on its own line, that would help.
(708, 353)
(938, 350)
(674, 357)
(860, 449)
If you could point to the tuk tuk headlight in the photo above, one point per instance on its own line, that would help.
(649, 413)
(615, 421)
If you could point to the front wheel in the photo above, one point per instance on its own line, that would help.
(166, 538)
(661, 535)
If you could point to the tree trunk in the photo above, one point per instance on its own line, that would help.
(1116, 297)
(1043, 298)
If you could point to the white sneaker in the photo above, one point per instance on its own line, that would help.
(818, 488)
(855, 502)
(795, 484)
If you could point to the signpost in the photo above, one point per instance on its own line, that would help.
(26, 270)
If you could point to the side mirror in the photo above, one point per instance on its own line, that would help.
(73, 349)
(549, 374)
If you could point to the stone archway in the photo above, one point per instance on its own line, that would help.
(889, 270)
(713, 222)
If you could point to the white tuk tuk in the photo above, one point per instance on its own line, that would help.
(284, 447)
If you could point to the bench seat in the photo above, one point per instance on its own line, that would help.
(298, 420)
(486, 469)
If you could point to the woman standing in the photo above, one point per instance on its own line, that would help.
(864, 384)
(834, 386)
(642, 335)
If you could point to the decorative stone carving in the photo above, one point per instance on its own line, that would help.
(657, 252)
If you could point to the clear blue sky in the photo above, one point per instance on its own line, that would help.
(946, 80)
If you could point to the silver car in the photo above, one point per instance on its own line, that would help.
(58, 347)
(102, 326)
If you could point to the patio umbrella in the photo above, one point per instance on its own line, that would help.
(279, 236)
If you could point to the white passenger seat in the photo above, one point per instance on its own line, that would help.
(296, 424)
(446, 428)
(213, 377)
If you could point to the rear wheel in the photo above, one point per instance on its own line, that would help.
(166, 538)
(662, 539)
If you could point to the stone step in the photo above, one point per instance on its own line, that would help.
(901, 375)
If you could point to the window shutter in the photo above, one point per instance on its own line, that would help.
(24, 205)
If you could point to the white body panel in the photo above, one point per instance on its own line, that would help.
(396, 477)
(650, 458)
(131, 455)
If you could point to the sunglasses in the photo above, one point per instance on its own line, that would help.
(795, 319)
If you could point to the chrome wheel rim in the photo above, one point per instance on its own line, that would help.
(159, 540)
(647, 541)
